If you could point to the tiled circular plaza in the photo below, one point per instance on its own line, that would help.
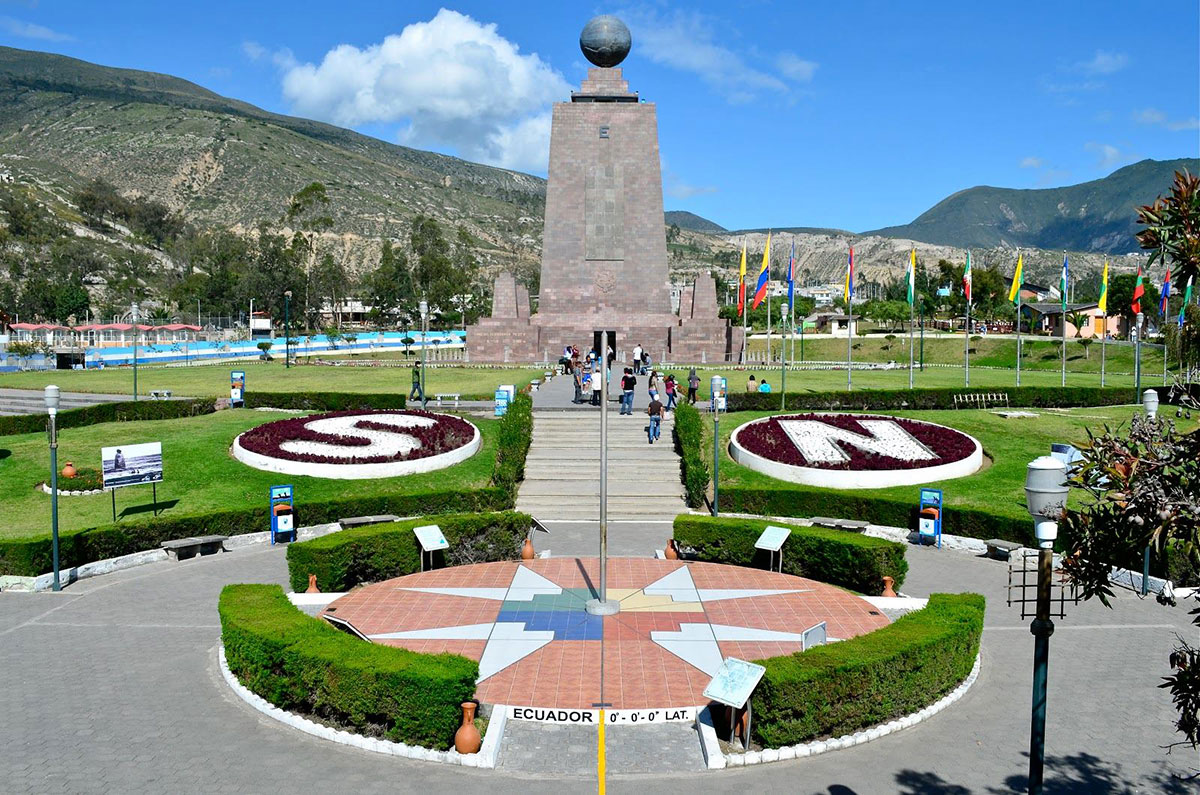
(536, 645)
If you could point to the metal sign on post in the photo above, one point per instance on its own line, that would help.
(732, 685)
(929, 521)
(237, 388)
(431, 539)
(717, 397)
(814, 636)
(283, 513)
(772, 539)
(501, 402)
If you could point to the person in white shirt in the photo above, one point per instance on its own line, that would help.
(637, 359)
(597, 386)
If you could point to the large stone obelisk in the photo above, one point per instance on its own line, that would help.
(604, 250)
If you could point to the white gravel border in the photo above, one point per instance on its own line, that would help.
(486, 757)
(45, 487)
(855, 478)
(715, 759)
(348, 471)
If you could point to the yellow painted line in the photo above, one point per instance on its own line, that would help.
(600, 755)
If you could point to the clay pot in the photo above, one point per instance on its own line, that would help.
(467, 739)
(671, 552)
(888, 582)
(69, 470)
(312, 584)
(527, 552)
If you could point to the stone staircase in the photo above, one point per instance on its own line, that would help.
(562, 472)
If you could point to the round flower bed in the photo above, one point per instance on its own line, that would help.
(358, 444)
(854, 451)
(87, 481)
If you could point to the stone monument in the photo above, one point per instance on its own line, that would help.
(604, 250)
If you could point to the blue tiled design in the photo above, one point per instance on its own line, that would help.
(565, 624)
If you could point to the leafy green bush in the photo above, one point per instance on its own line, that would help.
(839, 557)
(841, 688)
(689, 437)
(125, 411)
(381, 551)
(324, 401)
(516, 434)
(943, 398)
(302, 664)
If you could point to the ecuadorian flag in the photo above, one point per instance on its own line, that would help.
(760, 290)
(848, 292)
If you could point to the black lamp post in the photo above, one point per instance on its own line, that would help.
(51, 398)
(287, 329)
(1046, 498)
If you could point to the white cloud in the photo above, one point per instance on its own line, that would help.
(1158, 118)
(687, 41)
(453, 81)
(220, 72)
(28, 30)
(1109, 155)
(253, 50)
(1104, 63)
(1032, 162)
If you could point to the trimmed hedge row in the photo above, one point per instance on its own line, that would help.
(299, 663)
(941, 398)
(32, 556)
(689, 435)
(845, 687)
(324, 401)
(840, 557)
(372, 553)
(125, 411)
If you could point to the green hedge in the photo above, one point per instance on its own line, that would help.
(840, 557)
(943, 398)
(844, 687)
(125, 411)
(516, 434)
(689, 437)
(324, 401)
(381, 551)
(299, 663)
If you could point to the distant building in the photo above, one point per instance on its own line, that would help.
(1035, 292)
(834, 323)
(1047, 318)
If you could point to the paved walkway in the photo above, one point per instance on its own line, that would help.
(112, 686)
(31, 401)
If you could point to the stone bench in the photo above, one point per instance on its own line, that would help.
(839, 524)
(446, 396)
(355, 521)
(160, 394)
(1000, 549)
(184, 548)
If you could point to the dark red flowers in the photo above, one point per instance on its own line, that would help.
(449, 433)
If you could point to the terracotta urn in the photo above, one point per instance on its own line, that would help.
(888, 591)
(671, 552)
(312, 584)
(527, 552)
(69, 470)
(467, 739)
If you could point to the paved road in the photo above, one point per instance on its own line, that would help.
(112, 686)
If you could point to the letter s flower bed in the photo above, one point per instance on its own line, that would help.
(302, 664)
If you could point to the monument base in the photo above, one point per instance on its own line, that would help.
(597, 608)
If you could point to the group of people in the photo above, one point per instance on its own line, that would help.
(757, 386)
(663, 391)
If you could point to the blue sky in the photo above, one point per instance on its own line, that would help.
(853, 115)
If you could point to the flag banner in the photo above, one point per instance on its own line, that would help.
(1187, 298)
(1103, 302)
(764, 275)
(912, 277)
(967, 279)
(1014, 292)
(1138, 291)
(848, 288)
(792, 275)
(1166, 292)
(1063, 281)
(742, 283)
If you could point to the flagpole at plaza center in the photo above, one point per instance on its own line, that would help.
(849, 295)
(912, 284)
(1014, 294)
(967, 327)
(1102, 304)
(1062, 286)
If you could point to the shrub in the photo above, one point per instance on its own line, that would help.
(689, 438)
(324, 401)
(880, 399)
(845, 687)
(379, 552)
(301, 663)
(840, 557)
(125, 411)
(516, 434)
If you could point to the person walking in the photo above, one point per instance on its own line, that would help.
(693, 386)
(628, 383)
(597, 385)
(577, 377)
(652, 385)
(637, 357)
(670, 387)
(654, 429)
(417, 393)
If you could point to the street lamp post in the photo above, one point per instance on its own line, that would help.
(287, 329)
(424, 346)
(1150, 406)
(1046, 498)
(135, 349)
(783, 357)
(51, 398)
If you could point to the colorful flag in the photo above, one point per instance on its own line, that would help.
(764, 274)
(1103, 302)
(912, 276)
(967, 278)
(1063, 281)
(848, 289)
(1166, 291)
(791, 273)
(1138, 292)
(1187, 297)
(742, 283)
(1014, 292)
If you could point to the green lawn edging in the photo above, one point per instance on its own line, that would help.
(124, 411)
(845, 687)
(300, 663)
(325, 401)
(936, 398)
(689, 438)
(372, 553)
(839, 557)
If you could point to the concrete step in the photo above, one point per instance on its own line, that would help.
(640, 505)
(587, 489)
(666, 472)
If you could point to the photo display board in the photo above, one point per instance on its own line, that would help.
(131, 464)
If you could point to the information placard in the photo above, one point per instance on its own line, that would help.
(734, 682)
(431, 538)
(772, 538)
(131, 464)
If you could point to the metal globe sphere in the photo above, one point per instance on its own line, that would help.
(605, 41)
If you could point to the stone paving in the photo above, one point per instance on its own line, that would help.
(112, 686)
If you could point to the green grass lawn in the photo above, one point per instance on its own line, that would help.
(200, 476)
(213, 380)
(1010, 444)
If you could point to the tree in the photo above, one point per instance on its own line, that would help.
(23, 350)
(1120, 297)
(332, 284)
(1173, 227)
(432, 265)
(306, 212)
(264, 346)
(389, 286)
(1079, 320)
(97, 200)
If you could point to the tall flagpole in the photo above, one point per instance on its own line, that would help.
(1103, 339)
(1064, 320)
(849, 318)
(967, 328)
(912, 303)
(1018, 336)
(768, 362)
